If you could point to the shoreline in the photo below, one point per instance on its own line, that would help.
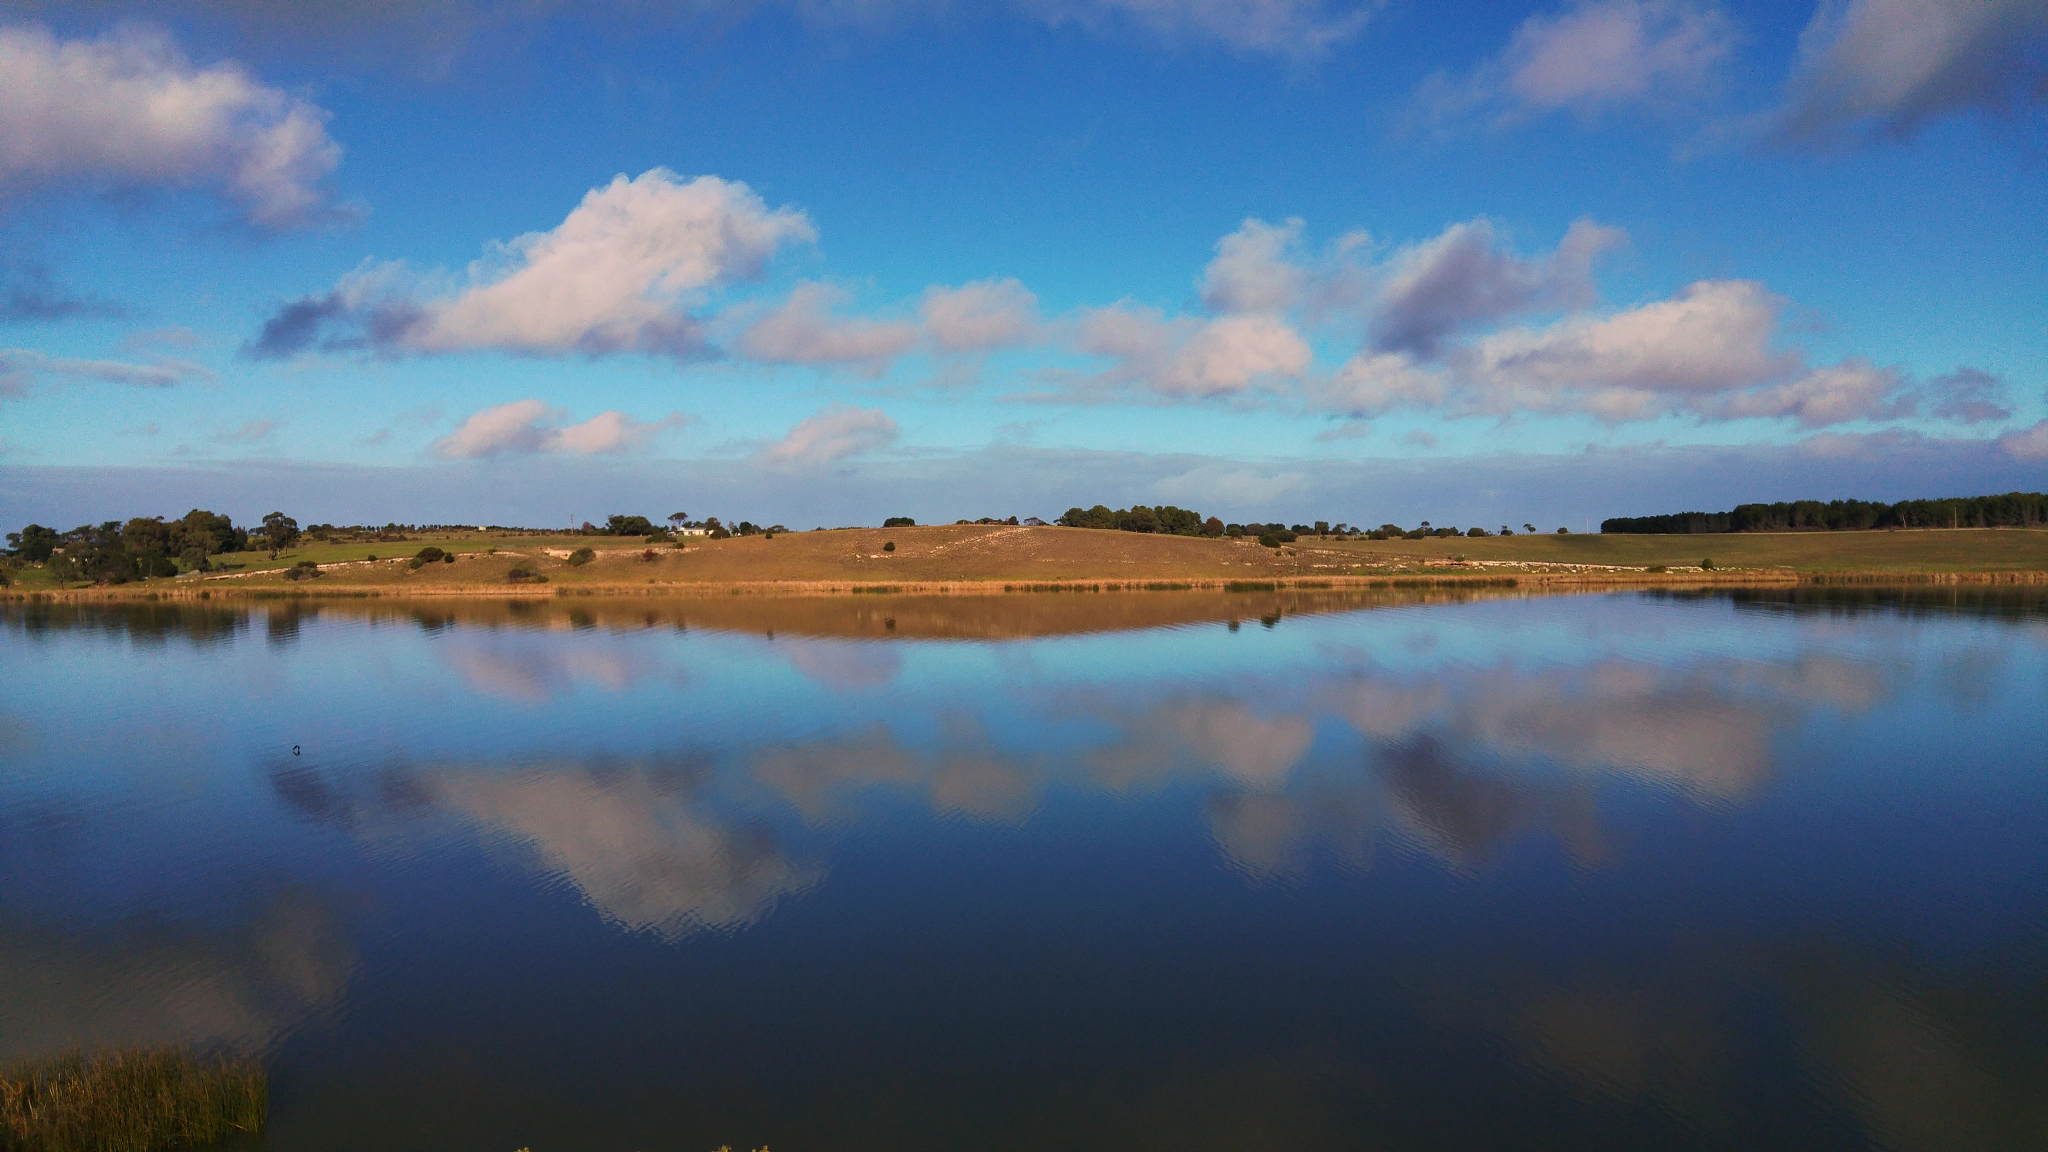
(245, 587)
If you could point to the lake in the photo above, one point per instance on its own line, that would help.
(1286, 871)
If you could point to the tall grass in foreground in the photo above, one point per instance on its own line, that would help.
(134, 1100)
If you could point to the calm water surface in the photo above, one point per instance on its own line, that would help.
(1617, 871)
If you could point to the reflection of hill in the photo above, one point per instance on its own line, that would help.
(967, 616)
(242, 988)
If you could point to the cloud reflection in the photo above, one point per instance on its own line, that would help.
(157, 984)
(644, 855)
(535, 670)
(846, 667)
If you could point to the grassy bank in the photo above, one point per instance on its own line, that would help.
(1000, 557)
(128, 1101)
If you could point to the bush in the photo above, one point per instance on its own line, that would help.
(140, 1099)
(1707, 564)
(429, 555)
(647, 557)
(303, 570)
(1270, 540)
(1377, 534)
(580, 557)
(524, 574)
(1564, 531)
(1475, 533)
(889, 546)
(1656, 568)
(899, 522)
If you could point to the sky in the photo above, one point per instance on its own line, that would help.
(818, 262)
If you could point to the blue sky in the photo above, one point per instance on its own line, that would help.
(824, 261)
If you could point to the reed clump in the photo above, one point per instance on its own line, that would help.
(130, 1100)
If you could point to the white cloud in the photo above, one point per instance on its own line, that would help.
(1709, 352)
(1884, 67)
(130, 110)
(1968, 396)
(525, 427)
(1278, 27)
(1190, 358)
(1714, 336)
(2030, 444)
(1228, 484)
(1851, 390)
(1589, 57)
(804, 331)
(251, 432)
(834, 433)
(979, 316)
(1251, 271)
(617, 275)
(1464, 276)
(1374, 383)
(21, 366)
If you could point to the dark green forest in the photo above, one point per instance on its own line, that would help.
(114, 552)
(2012, 510)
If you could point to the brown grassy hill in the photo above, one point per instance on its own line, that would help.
(843, 559)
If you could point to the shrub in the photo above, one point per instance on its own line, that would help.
(303, 570)
(163, 1098)
(1270, 540)
(429, 555)
(899, 522)
(1656, 568)
(1564, 531)
(1707, 564)
(1377, 534)
(647, 557)
(1475, 532)
(889, 546)
(524, 574)
(373, 557)
(580, 557)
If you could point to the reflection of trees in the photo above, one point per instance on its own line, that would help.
(2009, 601)
(165, 985)
(144, 623)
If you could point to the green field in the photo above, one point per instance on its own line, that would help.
(1906, 551)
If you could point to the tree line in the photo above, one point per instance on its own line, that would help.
(2012, 510)
(115, 552)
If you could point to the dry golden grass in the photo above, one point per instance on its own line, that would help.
(981, 557)
(128, 1101)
